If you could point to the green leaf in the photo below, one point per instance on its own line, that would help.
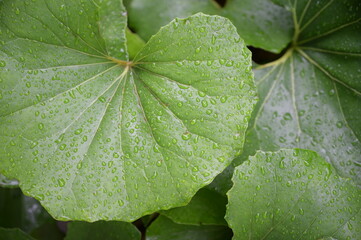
(261, 23)
(164, 229)
(93, 136)
(134, 43)
(146, 17)
(102, 230)
(8, 183)
(13, 234)
(310, 97)
(206, 208)
(292, 194)
(20, 211)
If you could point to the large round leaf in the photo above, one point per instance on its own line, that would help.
(310, 97)
(94, 136)
(292, 194)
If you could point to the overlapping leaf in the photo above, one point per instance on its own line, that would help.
(261, 23)
(292, 194)
(310, 98)
(207, 207)
(95, 136)
(163, 228)
(102, 230)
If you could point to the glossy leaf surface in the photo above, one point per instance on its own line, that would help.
(292, 194)
(310, 98)
(163, 229)
(102, 230)
(93, 136)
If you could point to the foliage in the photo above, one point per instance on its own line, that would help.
(112, 113)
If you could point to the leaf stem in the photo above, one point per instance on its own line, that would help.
(121, 62)
(278, 61)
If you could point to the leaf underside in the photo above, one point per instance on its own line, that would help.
(94, 136)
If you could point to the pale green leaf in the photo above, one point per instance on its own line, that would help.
(102, 230)
(94, 136)
(292, 194)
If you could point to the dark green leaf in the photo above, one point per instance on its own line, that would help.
(164, 229)
(93, 136)
(207, 207)
(102, 230)
(20, 211)
(292, 194)
(310, 97)
(13, 234)
(147, 17)
(261, 23)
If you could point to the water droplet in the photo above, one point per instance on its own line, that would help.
(301, 211)
(40, 126)
(186, 136)
(79, 165)
(204, 103)
(287, 116)
(159, 163)
(120, 203)
(62, 146)
(198, 49)
(2, 63)
(282, 164)
(102, 99)
(213, 39)
(61, 182)
(339, 124)
(78, 131)
(223, 99)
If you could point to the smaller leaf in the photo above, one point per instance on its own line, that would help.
(102, 230)
(292, 194)
(206, 208)
(20, 211)
(164, 229)
(13, 234)
(134, 43)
